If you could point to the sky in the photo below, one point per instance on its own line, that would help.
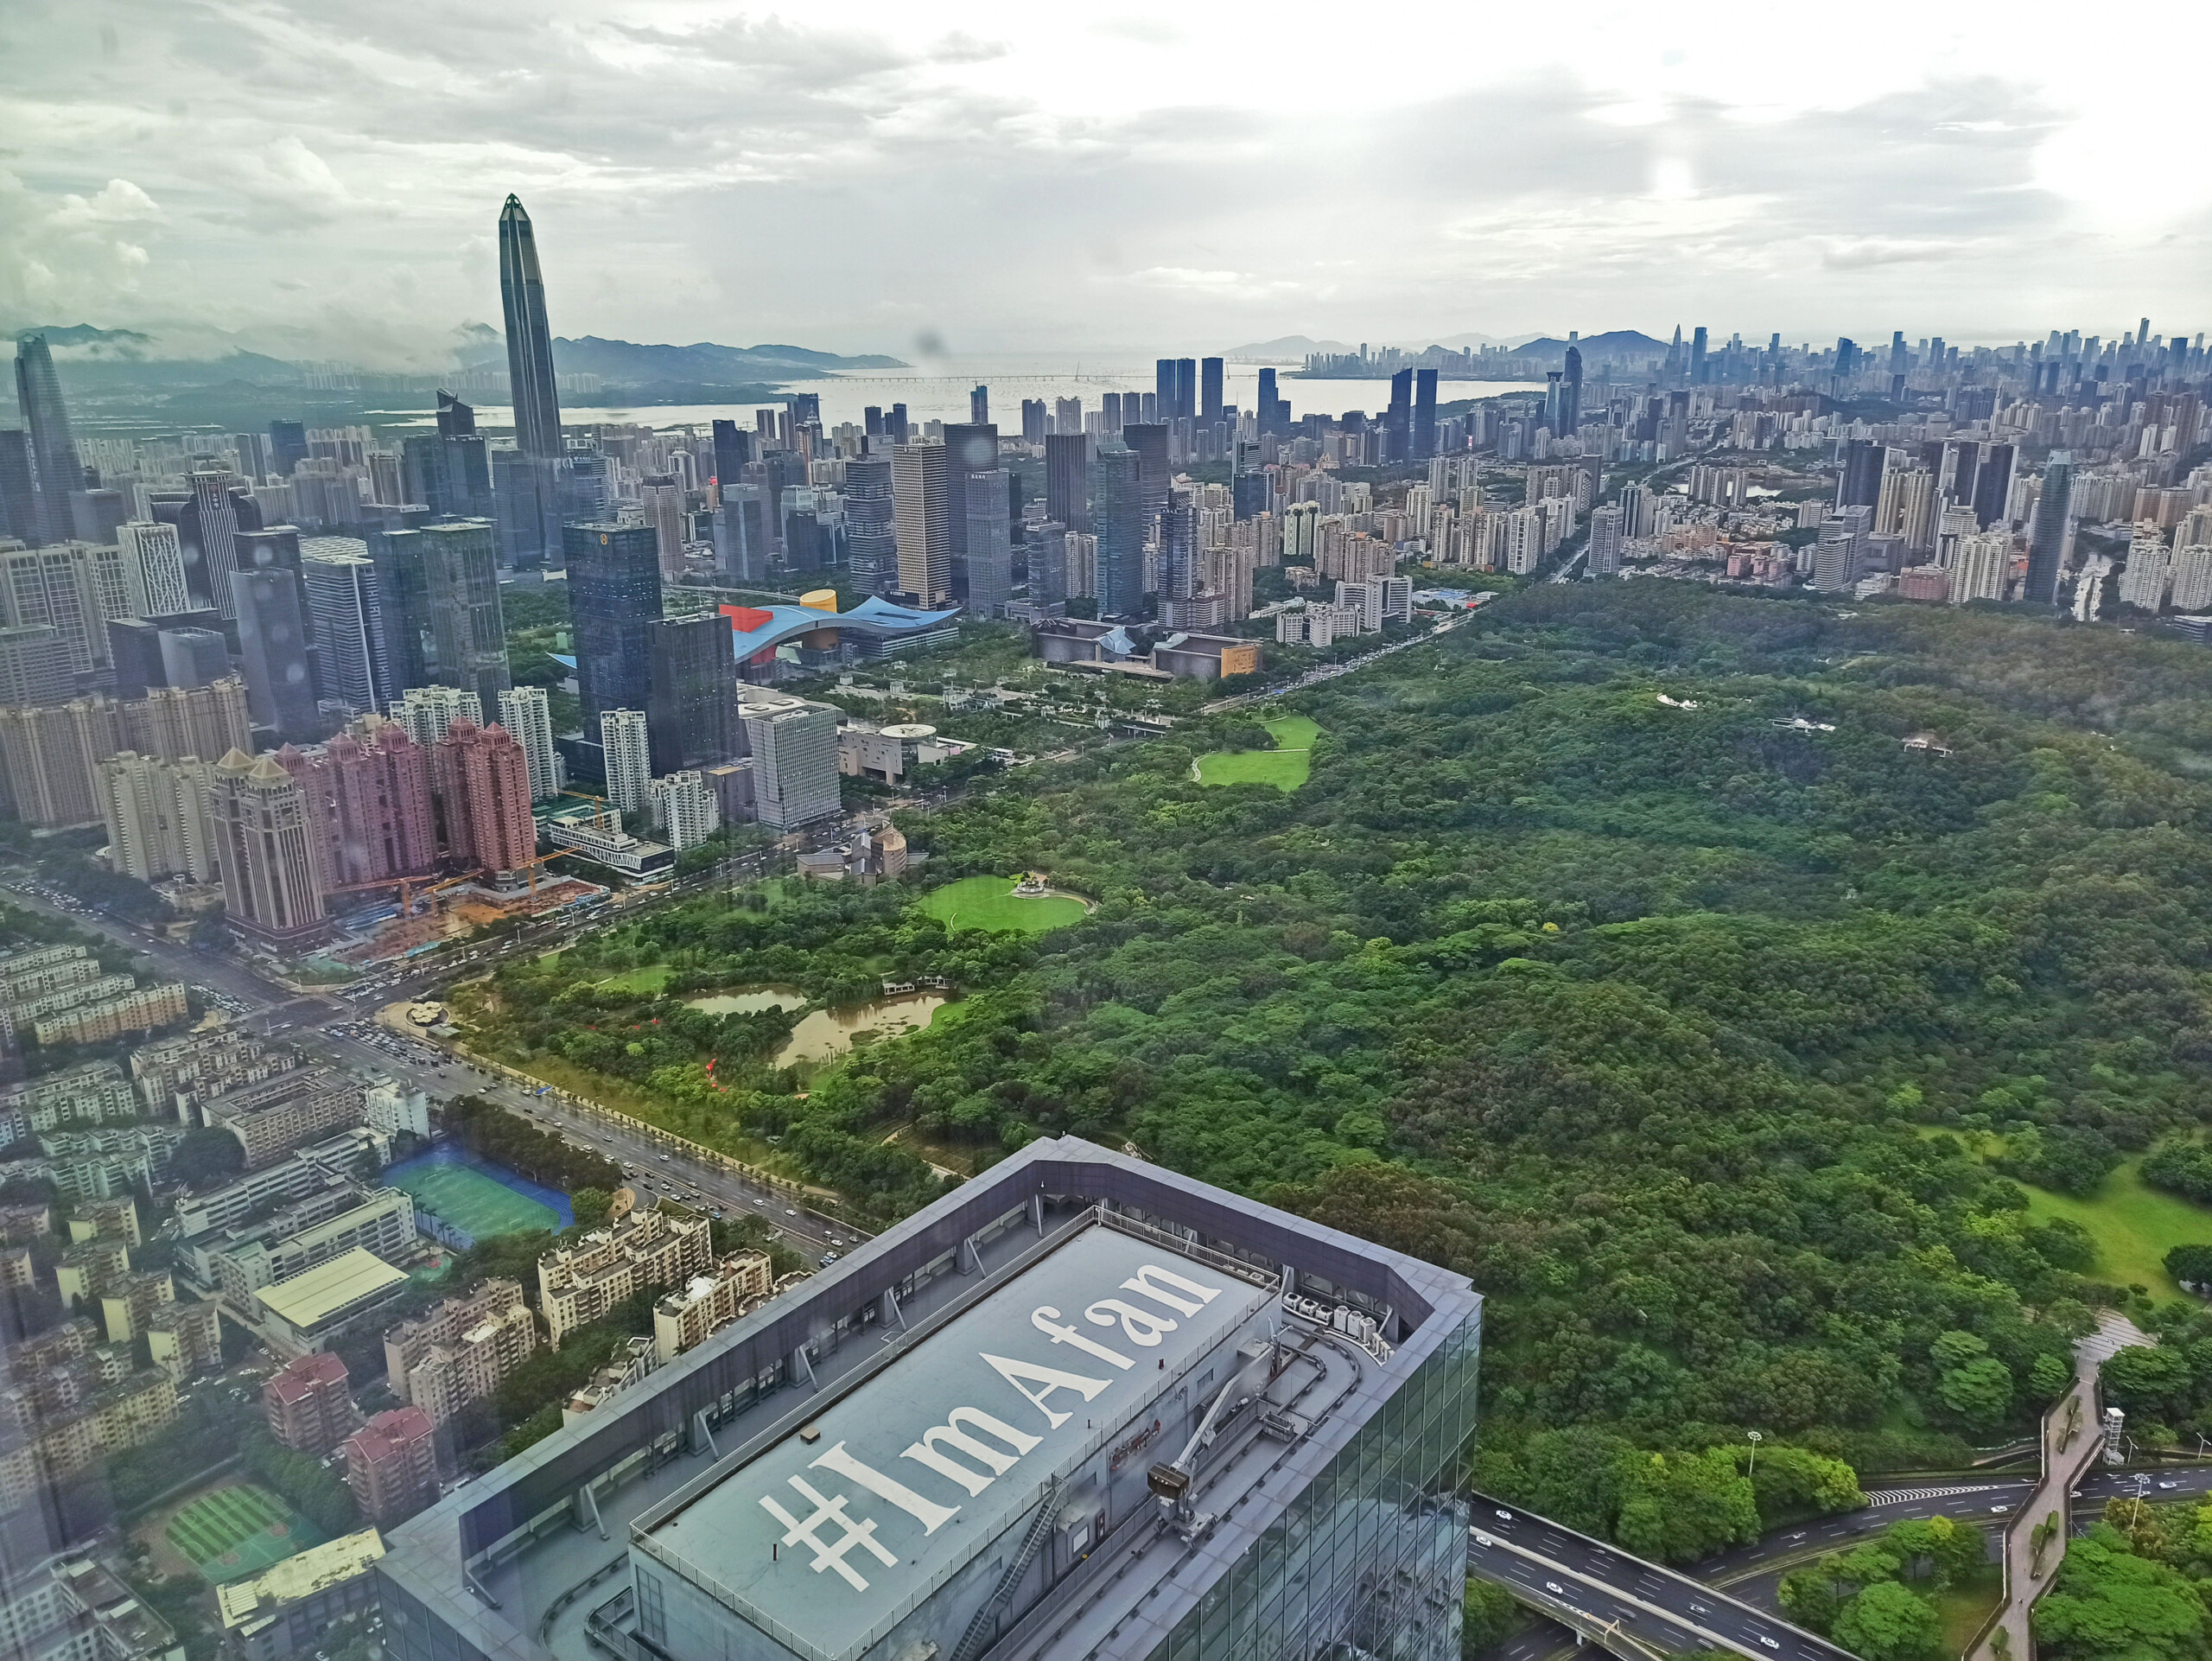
(323, 181)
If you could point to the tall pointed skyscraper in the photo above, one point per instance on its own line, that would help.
(530, 341)
(54, 450)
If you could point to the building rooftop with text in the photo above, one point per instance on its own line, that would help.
(1079, 1407)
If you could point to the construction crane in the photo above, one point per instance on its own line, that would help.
(411, 888)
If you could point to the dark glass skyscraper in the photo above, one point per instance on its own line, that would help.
(691, 710)
(1067, 480)
(614, 600)
(1425, 413)
(2047, 530)
(1860, 485)
(1210, 398)
(732, 450)
(1148, 440)
(1570, 407)
(18, 498)
(1992, 484)
(529, 341)
(1398, 420)
(1121, 521)
(1186, 388)
(871, 531)
(972, 447)
(54, 450)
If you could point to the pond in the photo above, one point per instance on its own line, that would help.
(752, 1001)
(826, 1033)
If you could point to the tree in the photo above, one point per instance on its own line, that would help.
(1679, 1507)
(591, 1206)
(1978, 1392)
(206, 1158)
(2107, 1602)
(2191, 1264)
(1886, 1622)
(1490, 1615)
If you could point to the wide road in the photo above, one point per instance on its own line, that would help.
(335, 1026)
(1751, 1574)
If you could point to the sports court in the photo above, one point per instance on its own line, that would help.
(239, 1530)
(475, 1200)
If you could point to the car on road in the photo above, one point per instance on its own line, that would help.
(1768, 1642)
(2000, 1510)
(2169, 1484)
(1504, 1516)
(1555, 1589)
(1482, 1539)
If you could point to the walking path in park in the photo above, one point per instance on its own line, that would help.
(2035, 1534)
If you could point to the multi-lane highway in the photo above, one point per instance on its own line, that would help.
(336, 1026)
(1528, 1553)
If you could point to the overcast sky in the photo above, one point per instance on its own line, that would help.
(323, 179)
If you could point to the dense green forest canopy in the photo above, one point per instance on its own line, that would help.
(1709, 1045)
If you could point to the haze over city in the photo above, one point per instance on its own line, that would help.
(903, 179)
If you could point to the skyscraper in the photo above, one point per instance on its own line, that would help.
(919, 509)
(347, 609)
(1992, 484)
(273, 645)
(288, 447)
(979, 406)
(1120, 527)
(1570, 394)
(160, 558)
(383, 801)
(969, 449)
(271, 887)
(614, 600)
(1148, 442)
(526, 713)
(215, 514)
(871, 530)
(1859, 483)
(1178, 561)
(483, 780)
(1186, 389)
(1067, 480)
(1163, 383)
(1210, 398)
(2047, 536)
(794, 744)
(461, 582)
(732, 450)
(449, 471)
(1697, 356)
(1273, 414)
(529, 341)
(990, 542)
(1424, 426)
(1398, 420)
(19, 512)
(626, 742)
(53, 451)
(691, 712)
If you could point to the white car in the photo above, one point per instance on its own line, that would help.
(1482, 1539)
(1555, 1589)
(1505, 1516)
(1769, 1642)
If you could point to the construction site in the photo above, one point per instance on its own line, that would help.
(396, 917)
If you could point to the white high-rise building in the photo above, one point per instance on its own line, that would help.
(526, 713)
(2143, 583)
(425, 712)
(159, 557)
(684, 808)
(794, 757)
(1982, 567)
(629, 767)
(2193, 577)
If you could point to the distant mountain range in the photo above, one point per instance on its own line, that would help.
(1618, 346)
(1287, 348)
(117, 357)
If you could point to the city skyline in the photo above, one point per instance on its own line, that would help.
(1086, 187)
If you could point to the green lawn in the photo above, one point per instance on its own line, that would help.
(989, 903)
(1962, 1608)
(2135, 1225)
(650, 978)
(479, 1206)
(1285, 767)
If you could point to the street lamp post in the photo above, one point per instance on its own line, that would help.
(1754, 1464)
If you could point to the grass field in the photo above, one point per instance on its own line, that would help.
(1961, 1608)
(2134, 1225)
(239, 1530)
(989, 903)
(473, 1202)
(1285, 767)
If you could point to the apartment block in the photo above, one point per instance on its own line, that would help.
(72, 1438)
(138, 1010)
(740, 1283)
(184, 1339)
(308, 1404)
(175, 1075)
(271, 1118)
(643, 1251)
(391, 1465)
(350, 1153)
(460, 1351)
(129, 1303)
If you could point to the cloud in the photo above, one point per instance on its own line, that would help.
(326, 180)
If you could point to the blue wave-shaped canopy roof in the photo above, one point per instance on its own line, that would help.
(873, 615)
